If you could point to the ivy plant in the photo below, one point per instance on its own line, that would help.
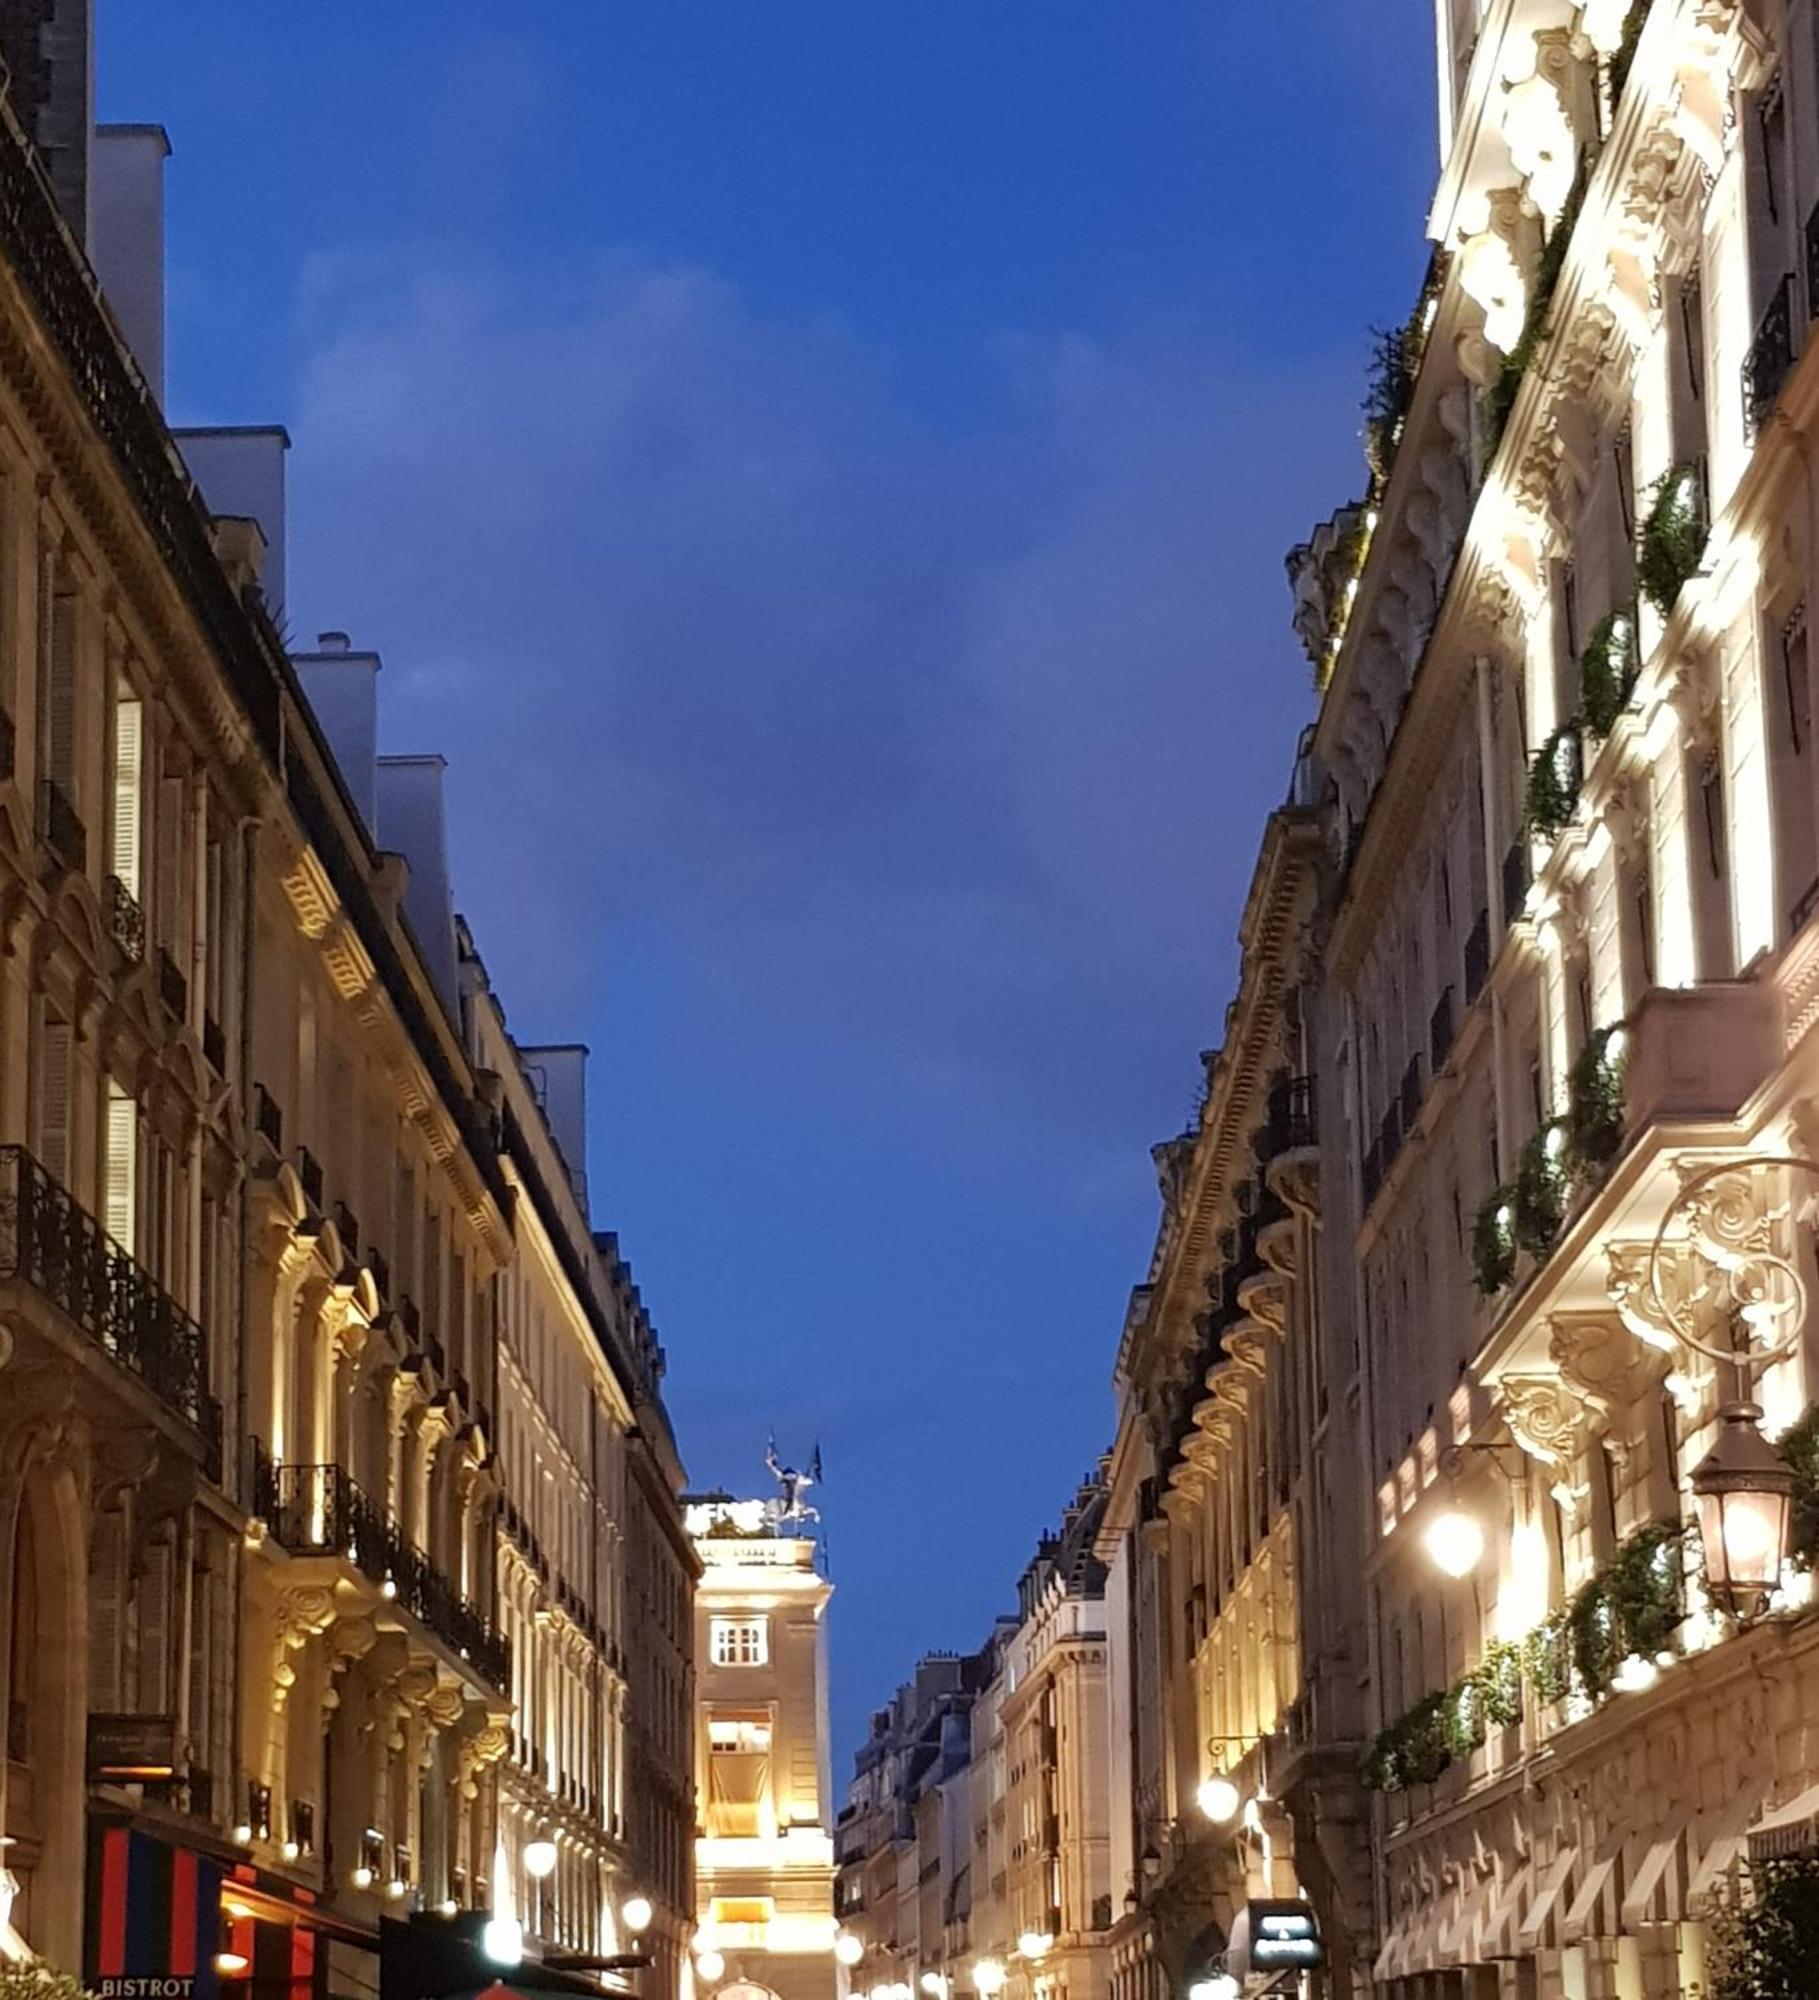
(1594, 1116)
(1553, 783)
(1670, 540)
(1607, 671)
(1765, 1941)
(1538, 1203)
(1494, 1242)
(1631, 1606)
(1799, 1445)
(1547, 1662)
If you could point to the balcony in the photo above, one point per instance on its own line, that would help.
(1292, 1126)
(317, 1510)
(59, 827)
(1515, 878)
(1443, 1025)
(309, 1175)
(173, 988)
(347, 1227)
(214, 1045)
(1770, 360)
(50, 1243)
(1478, 957)
(268, 1119)
(125, 920)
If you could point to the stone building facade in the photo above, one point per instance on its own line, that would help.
(288, 1241)
(764, 1859)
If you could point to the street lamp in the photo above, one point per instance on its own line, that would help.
(710, 1965)
(636, 1914)
(503, 1941)
(989, 1977)
(540, 1858)
(1744, 1491)
(848, 1949)
(1455, 1541)
(1219, 1799)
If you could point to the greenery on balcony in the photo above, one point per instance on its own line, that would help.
(1764, 1943)
(1538, 1195)
(1799, 1445)
(1625, 53)
(1631, 1606)
(1501, 396)
(1594, 1112)
(1494, 1241)
(1389, 390)
(1553, 783)
(1670, 540)
(1547, 1661)
(1607, 672)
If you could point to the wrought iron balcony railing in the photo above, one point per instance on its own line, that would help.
(125, 920)
(59, 826)
(1292, 1124)
(8, 745)
(309, 1173)
(214, 1044)
(1515, 878)
(1770, 360)
(50, 1242)
(320, 1510)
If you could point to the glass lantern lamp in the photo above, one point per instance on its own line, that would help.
(1744, 1491)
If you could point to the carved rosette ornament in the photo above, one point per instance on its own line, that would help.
(303, 1612)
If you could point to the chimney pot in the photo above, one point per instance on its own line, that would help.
(332, 642)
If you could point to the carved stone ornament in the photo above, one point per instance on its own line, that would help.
(302, 1613)
(1544, 1417)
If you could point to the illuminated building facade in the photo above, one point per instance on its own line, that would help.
(287, 1238)
(764, 1861)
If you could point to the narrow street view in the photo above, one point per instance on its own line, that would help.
(796, 1203)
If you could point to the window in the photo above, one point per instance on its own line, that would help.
(121, 1185)
(129, 766)
(740, 1642)
(739, 1735)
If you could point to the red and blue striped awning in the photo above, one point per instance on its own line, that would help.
(153, 1918)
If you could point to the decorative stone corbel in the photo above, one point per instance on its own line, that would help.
(1543, 1417)
(303, 1612)
(1495, 252)
(1540, 112)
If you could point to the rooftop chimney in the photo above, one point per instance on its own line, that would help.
(343, 690)
(412, 823)
(560, 1072)
(126, 236)
(240, 469)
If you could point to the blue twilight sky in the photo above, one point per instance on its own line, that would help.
(821, 469)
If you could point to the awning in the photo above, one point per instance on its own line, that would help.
(1547, 1894)
(1785, 1831)
(1497, 1938)
(1655, 1871)
(1723, 1839)
(1457, 1937)
(1580, 1917)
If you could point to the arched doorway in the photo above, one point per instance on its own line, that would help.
(24, 1713)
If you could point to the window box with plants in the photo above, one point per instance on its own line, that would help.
(1607, 671)
(1670, 541)
(1594, 1115)
(1553, 783)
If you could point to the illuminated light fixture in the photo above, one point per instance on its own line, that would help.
(1219, 1799)
(988, 1977)
(388, 1588)
(636, 1914)
(1634, 1674)
(710, 1965)
(362, 1877)
(1744, 1490)
(847, 1948)
(1454, 1541)
(395, 1888)
(540, 1857)
(1217, 1986)
(231, 1963)
(502, 1940)
(447, 1907)
(242, 1835)
(1034, 1944)
(290, 1850)
(934, 1985)
(238, 1911)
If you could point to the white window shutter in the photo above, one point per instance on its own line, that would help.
(129, 792)
(53, 1101)
(120, 1213)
